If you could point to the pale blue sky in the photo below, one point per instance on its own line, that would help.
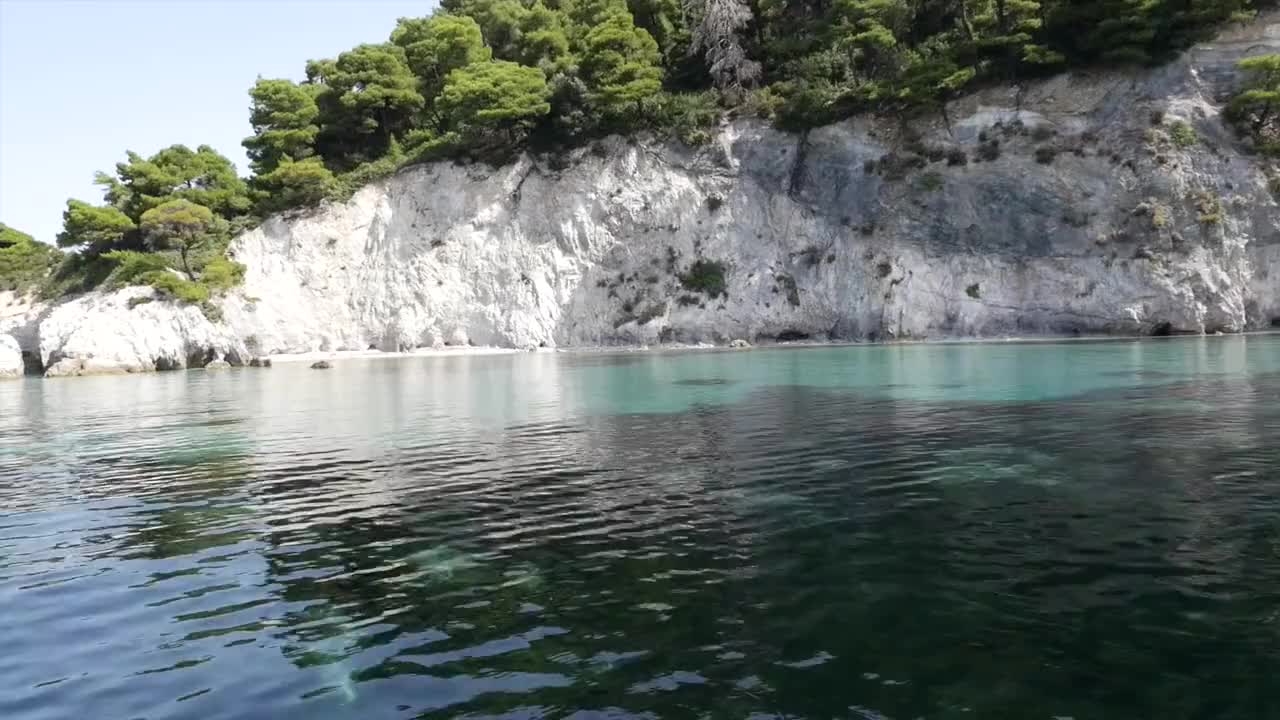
(81, 81)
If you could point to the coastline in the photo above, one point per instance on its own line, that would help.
(381, 355)
(472, 351)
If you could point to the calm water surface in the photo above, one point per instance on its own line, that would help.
(1066, 530)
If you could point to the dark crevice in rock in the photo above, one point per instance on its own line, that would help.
(31, 364)
(515, 194)
(792, 336)
(795, 182)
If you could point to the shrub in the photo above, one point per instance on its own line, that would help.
(131, 266)
(1182, 134)
(1046, 155)
(24, 263)
(690, 117)
(989, 151)
(78, 272)
(931, 182)
(957, 157)
(221, 274)
(705, 276)
(1209, 206)
(170, 285)
(1159, 217)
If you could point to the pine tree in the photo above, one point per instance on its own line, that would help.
(284, 118)
(620, 65)
(495, 102)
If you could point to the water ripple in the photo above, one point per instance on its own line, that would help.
(907, 532)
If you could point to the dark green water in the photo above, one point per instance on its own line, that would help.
(1068, 530)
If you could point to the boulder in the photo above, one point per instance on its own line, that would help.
(260, 362)
(104, 332)
(321, 365)
(740, 344)
(78, 366)
(10, 358)
(217, 365)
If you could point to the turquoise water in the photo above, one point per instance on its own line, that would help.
(1043, 530)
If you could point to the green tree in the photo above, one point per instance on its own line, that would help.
(1257, 108)
(868, 31)
(620, 66)
(499, 22)
(543, 42)
(179, 225)
(11, 236)
(494, 100)
(1006, 30)
(378, 93)
(665, 21)
(1190, 21)
(295, 184)
(93, 228)
(202, 176)
(1113, 31)
(24, 263)
(284, 117)
(438, 45)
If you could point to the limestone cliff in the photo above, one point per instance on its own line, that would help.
(11, 364)
(1088, 203)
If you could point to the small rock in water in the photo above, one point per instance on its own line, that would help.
(740, 344)
(321, 365)
(217, 365)
(260, 362)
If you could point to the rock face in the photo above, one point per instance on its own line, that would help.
(1073, 214)
(127, 331)
(11, 365)
(1080, 204)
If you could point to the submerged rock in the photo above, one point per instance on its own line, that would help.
(321, 365)
(75, 367)
(11, 365)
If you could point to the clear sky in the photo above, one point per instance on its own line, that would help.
(81, 81)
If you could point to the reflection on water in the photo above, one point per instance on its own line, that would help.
(1076, 530)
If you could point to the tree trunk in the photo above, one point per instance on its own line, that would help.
(186, 267)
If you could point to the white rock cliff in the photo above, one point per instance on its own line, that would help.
(1068, 207)
(11, 365)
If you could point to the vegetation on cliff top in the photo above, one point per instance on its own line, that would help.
(483, 79)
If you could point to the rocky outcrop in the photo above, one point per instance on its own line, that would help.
(11, 366)
(1088, 203)
(129, 331)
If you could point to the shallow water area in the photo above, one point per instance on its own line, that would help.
(1029, 530)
